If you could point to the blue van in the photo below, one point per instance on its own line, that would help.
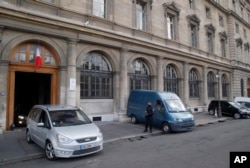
(170, 114)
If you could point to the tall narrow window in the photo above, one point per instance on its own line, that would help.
(139, 75)
(242, 11)
(193, 84)
(96, 80)
(224, 86)
(210, 37)
(171, 13)
(248, 15)
(99, 8)
(223, 47)
(140, 15)
(221, 21)
(210, 85)
(194, 22)
(191, 4)
(246, 52)
(245, 33)
(193, 35)
(170, 26)
(237, 29)
(223, 42)
(239, 48)
(234, 5)
(210, 42)
(170, 79)
(208, 14)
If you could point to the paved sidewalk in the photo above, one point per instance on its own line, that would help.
(14, 148)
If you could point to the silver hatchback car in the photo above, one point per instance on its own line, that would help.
(63, 131)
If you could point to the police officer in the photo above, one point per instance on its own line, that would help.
(149, 117)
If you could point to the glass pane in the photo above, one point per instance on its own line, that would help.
(99, 8)
(15, 59)
(32, 53)
(139, 16)
(20, 56)
(48, 58)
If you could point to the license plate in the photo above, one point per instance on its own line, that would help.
(86, 146)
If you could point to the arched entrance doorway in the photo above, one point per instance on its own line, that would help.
(28, 84)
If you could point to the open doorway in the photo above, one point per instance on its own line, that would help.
(30, 89)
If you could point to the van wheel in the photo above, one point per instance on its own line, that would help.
(133, 119)
(211, 112)
(166, 128)
(28, 137)
(237, 115)
(49, 151)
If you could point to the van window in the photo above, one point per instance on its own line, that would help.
(175, 105)
(159, 105)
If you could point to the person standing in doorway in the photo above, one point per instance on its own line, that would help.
(149, 117)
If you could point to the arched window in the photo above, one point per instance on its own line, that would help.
(139, 75)
(96, 77)
(170, 79)
(26, 53)
(193, 84)
(224, 86)
(210, 85)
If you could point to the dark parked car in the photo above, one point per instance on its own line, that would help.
(229, 108)
(21, 112)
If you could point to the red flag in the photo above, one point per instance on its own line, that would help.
(38, 60)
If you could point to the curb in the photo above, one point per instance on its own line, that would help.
(211, 122)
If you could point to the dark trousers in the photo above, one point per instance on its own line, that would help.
(148, 123)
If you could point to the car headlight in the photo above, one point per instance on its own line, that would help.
(178, 119)
(100, 135)
(63, 139)
(20, 117)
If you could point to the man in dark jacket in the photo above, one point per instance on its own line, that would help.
(149, 117)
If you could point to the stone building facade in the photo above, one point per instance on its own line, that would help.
(95, 51)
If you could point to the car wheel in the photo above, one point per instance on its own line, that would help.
(28, 137)
(49, 151)
(211, 111)
(237, 115)
(166, 128)
(133, 119)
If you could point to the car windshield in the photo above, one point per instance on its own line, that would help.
(176, 105)
(238, 105)
(68, 118)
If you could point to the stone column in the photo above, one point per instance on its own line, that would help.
(186, 84)
(159, 74)
(5, 119)
(204, 90)
(123, 85)
(220, 85)
(71, 73)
